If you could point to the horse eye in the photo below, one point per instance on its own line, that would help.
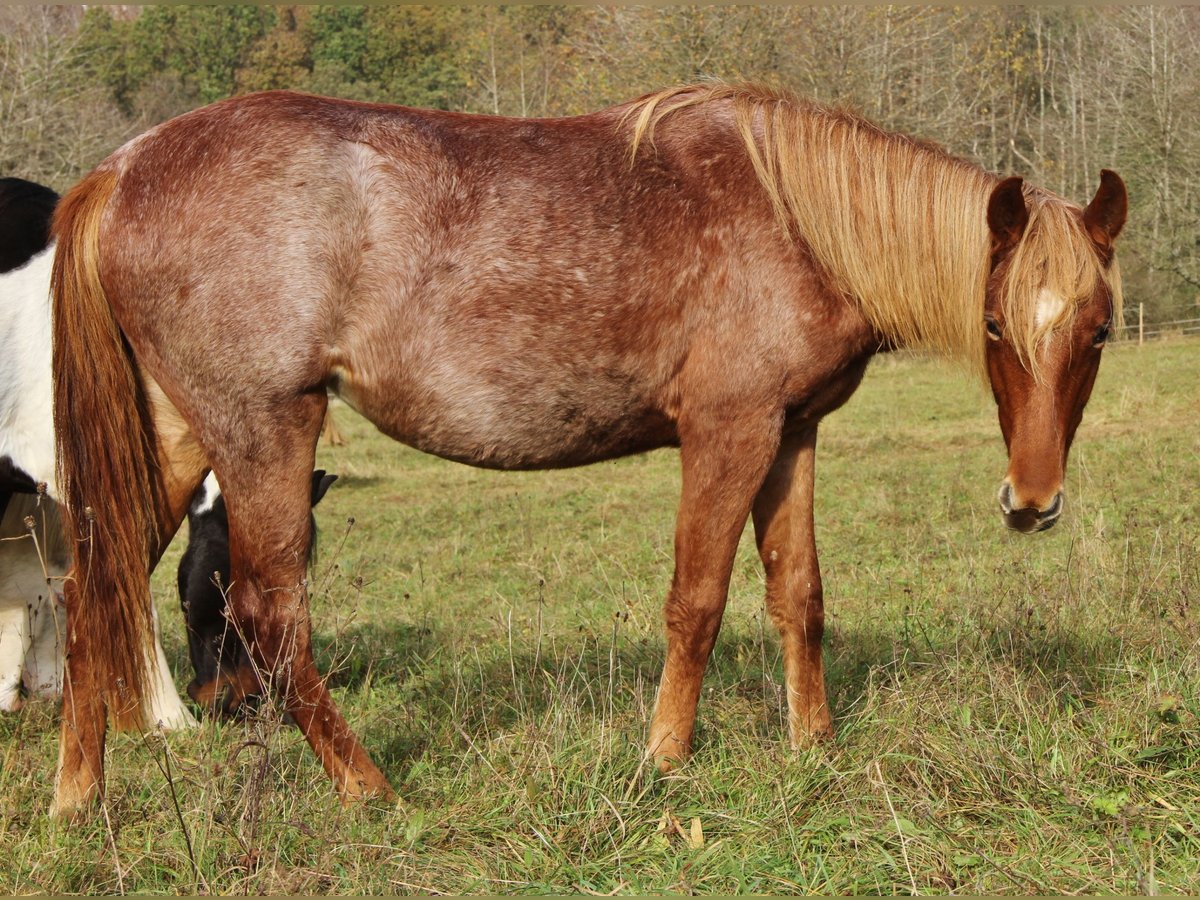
(993, 329)
(1101, 336)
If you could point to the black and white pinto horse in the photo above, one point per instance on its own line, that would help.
(30, 618)
(33, 552)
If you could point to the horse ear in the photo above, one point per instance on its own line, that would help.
(320, 484)
(1007, 214)
(1105, 215)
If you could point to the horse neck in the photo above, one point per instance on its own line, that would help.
(898, 225)
(916, 262)
(26, 418)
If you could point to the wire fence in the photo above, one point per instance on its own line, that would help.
(1138, 330)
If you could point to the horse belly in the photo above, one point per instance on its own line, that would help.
(510, 418)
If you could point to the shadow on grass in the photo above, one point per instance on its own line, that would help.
(434, 688)
(359, 481)
(1081, 662)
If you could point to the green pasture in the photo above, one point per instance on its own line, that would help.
(1016, 714)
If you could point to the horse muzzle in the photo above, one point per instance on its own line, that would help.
(1028, 519)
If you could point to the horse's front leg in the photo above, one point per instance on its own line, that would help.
(724, 462)
(783, 528)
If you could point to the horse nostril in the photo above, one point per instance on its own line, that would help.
(1028, 518)
(1048, 516)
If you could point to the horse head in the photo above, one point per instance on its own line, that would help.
(1052, 300)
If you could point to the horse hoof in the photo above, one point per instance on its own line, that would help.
(667, 764)
(72, 803)
(809, 738)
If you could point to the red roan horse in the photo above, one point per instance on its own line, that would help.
(709, 267)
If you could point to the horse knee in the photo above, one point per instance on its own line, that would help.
(14, 645)
(798, 606)
(273, 623)
(693, 622)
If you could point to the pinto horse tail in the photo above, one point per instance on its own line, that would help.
(108, 471)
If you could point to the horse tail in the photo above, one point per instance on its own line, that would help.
(108, 474)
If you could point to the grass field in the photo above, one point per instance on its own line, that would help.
(1015, 714)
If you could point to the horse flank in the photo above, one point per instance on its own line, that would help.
(898, 224)
(104, 440)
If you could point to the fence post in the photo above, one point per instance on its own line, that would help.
(1141, 324)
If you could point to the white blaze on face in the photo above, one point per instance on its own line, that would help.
(1049, 305)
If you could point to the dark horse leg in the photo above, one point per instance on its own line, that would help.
(269, 501)
(783, 527)
(724, 463)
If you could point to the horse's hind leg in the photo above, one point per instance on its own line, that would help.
(269, 501)
(84, 720)
(783, 527)
(724, 463)
(80, 771)
(183, 465)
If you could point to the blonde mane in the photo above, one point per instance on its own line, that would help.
(898, 224)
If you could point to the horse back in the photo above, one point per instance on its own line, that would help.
(511, 293)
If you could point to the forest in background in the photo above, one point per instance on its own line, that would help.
(1051, 93)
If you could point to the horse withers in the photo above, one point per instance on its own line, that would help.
(709, 267)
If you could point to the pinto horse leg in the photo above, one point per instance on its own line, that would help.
(723, 468)
(269, 504)
(783, 528)
(14, 642)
